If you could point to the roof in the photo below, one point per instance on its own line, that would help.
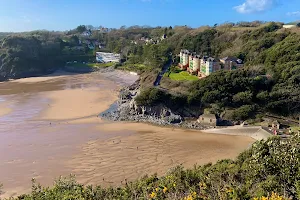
(185, 51)
(275, 122)
(210, 116)
(230, 58)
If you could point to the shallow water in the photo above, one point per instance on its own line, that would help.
(34, 147)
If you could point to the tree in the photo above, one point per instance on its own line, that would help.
(298, 25)
(74, 40)
(81, 28)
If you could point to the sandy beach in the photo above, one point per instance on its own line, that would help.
(4, 109)
(53, 129)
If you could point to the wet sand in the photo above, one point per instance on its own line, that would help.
(53, 129)
(4, 109)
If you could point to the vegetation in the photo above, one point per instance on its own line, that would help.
(37, 53)
(269, 82)
(268, 170)
(182, 76)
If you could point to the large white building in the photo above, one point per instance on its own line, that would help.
(104, 57)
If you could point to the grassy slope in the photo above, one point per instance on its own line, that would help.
(182, 76)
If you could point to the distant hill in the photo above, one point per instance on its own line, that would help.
(293, 23)
(4, 34)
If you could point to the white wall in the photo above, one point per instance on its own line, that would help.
(289, 26)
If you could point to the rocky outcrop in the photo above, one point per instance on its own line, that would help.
(126, 109)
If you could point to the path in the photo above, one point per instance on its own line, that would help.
(163, 71)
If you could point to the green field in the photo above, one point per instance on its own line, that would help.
(181, 76)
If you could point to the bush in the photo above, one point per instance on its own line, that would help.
(243, 112)
(151, 97)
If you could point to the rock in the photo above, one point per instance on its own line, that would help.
(128, 110)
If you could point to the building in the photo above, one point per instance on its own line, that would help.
(184, 59)
(230, 63)
(104, 57)
(208, 65)
(275, 125)
(87, 33)
(208, 119)
(289, 26)
(194, 64)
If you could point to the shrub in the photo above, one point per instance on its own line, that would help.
(151, 97)
(243, 112)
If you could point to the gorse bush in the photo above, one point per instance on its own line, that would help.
(269, 170)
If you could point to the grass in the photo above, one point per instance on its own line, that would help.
(182, 76)
(295, 128)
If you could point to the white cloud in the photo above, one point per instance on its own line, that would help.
(253, 6)
(296, 13)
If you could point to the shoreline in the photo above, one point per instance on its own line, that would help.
(53, 131)
(126, 110)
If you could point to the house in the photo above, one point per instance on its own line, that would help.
(184, 59)
(289, 26)
(87, 33)
(208, 65)
(104, 57)
(230, 63)
(275, 125)
(194, 63)
(208, 119)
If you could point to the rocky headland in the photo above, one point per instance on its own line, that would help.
(126, 109)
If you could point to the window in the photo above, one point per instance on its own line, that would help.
(202, 118)
(210, 120)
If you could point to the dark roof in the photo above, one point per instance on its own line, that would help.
(210, 116)
(230, 58)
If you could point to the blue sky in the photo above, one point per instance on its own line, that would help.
(26, 15)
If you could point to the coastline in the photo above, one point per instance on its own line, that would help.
(125, 109)
(57, 127)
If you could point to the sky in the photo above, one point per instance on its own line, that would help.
(60, 15)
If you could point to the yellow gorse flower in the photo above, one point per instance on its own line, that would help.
(274, 196)
(153, 195)
(202, 185)
(229, 190)
(194, 194)
(189, 197)
(165, 189)
(156, 189)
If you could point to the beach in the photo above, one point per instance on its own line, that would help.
(50, 127)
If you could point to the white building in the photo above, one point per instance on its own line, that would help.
(104, 57)
(289, 26)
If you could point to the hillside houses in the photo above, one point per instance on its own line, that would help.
(204, 66)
